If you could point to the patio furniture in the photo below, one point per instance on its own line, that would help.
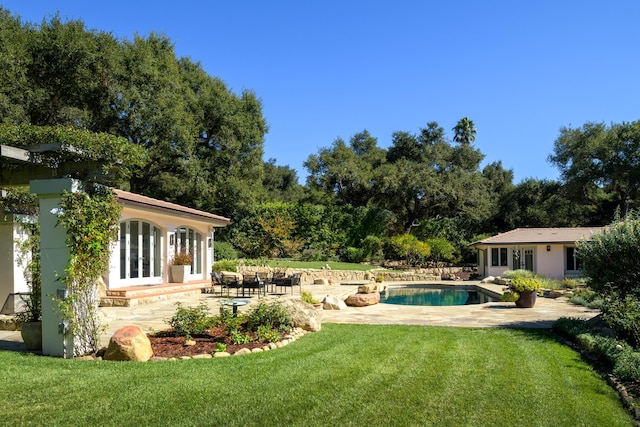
(234, 304)
(253, 283)
(215, 281)
(287, 282)
(230, 282)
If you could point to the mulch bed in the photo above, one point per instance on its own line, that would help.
(166, 345)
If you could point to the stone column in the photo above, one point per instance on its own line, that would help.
(54, 259)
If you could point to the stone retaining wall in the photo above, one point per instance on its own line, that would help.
(309, 275)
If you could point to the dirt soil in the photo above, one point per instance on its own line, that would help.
(166, 345)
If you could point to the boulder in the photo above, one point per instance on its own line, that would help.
(369, 288)
(129, 343)
(363, 300)
(303, 314)
(321, 281)
(488, 279)
(332, 302)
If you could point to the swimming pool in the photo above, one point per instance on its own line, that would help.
(434, 295)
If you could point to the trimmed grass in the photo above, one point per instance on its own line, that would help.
(275, 263)
(373, 375)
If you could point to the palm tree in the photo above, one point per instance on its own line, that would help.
(465, 131)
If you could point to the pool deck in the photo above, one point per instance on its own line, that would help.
(152, 317)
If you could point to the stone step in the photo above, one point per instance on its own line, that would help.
(132, 296)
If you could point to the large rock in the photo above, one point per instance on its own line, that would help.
(369, 288)
(332, 302)
(129, 343)
(363, 300)
(488, 279)
(303, 314)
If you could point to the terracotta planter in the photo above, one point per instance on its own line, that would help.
(180, 273)
(527, 299)
(32, 335)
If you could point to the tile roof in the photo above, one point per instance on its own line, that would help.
(133, 199)
(541, 235)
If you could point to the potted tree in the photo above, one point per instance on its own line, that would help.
(523, 291)
(181, 266)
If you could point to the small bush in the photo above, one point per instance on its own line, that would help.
(273, 315)
(512, 274)
(267, 334)
(623, 316)
(238, 337)
(190, 321)
(308, 297)
(627, 367)
(570, 326)
(225, 265)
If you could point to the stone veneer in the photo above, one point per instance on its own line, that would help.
(336, 277)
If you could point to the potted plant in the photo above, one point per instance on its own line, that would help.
(523, 291)
(181, 266)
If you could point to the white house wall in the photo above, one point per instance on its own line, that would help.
(12, 279)
(167, 225)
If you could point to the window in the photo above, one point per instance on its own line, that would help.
(573, 262)
(499, 257)
(140, 250)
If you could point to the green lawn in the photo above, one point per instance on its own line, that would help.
(320, 264)
(360, 375)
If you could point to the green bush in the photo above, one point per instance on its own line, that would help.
(354, 255)
(623, 316)
(512, 274)
(407, 247)
(224, 250)
(273, 315)
(190, 321)
(611, 258)
(267, 334)
(570, 327)
(627, 367)
(442, 250)
(308, 297)
(225, 265)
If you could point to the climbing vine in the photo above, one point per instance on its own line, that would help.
(91, 220)
(116, 155)
(24, 206)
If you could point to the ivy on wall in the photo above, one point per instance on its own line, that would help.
(91, 220)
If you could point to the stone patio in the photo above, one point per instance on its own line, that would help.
(151, 317)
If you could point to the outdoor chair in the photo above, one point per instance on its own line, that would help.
(230, 282)
(215, 281)
(288, 282)
(253, 283)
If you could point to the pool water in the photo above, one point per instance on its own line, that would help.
(433, 295)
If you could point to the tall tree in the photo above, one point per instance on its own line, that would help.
(600, 165)
(464, 131)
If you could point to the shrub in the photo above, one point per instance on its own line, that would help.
(225, 265)
(267, 334)
(442, 250)
(224, 250)
(308, 297)
(409, 248)
(627, 366)
(570, 326)
(623, 316)
(189, 321)
(354, 255)
(610, 258)
(512, 274)
(273, 315)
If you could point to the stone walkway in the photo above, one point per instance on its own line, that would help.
(152, 317)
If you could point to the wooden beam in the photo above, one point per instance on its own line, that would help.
(14, 153)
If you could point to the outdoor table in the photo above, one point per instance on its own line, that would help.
(234, 304)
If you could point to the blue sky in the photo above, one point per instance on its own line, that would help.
(328, 69)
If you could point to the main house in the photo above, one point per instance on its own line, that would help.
(547, 251)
